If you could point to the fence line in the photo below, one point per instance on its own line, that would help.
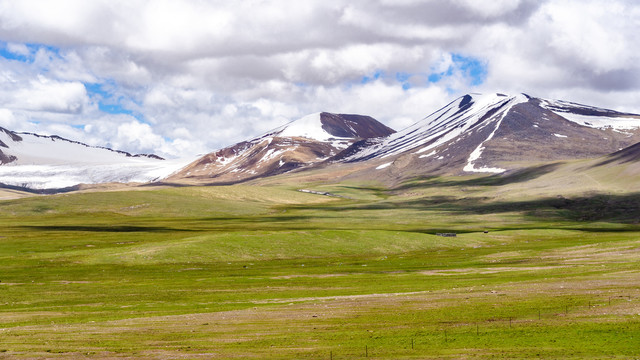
(541, 315)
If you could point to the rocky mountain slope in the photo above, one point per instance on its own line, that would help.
(492, 134)
(300, 144)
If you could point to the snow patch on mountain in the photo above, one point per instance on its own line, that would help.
(271, 153)
(470, 112)
(602, 122)
(428, 155)
(442, 126)
(482, 104)
(309, 127)
(477, 152)
(383, 166)
(591, 116)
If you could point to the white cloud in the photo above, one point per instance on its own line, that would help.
(597, 38)
(490, 8)
(140, 134)
(566, 48)
(18, 49)
(43, 94)
(199, 75)
(7, 119)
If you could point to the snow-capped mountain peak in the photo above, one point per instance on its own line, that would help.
(491, 133)
(309, 126)
(323, 126)
(301, 143)
(447, 123)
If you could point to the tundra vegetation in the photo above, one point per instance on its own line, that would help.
(269, 272)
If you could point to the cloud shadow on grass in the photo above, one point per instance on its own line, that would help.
(517, 176)
(590, 208)
(101, 228)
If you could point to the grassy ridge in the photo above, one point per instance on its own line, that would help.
(270, 272)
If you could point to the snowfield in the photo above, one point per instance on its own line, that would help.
(63, 176)
(619, 122)
(51, 162)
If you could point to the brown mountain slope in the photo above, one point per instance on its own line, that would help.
(299, 144)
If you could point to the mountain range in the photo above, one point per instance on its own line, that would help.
(474, 134)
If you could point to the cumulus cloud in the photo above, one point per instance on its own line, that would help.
(186, 77)
(43, 94)
(7, 119)
(139, 134)
(565, 46)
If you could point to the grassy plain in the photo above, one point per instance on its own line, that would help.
(268, 272)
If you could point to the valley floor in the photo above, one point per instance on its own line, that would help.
(268, 272)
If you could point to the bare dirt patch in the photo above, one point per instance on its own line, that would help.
(488, 270)
(318, 276)
(594, 254)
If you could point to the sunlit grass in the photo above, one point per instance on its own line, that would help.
(270, 272)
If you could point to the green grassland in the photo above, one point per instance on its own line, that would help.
(269, 272)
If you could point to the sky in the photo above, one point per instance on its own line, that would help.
(180, 78)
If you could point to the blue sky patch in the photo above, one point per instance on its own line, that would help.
(5, 53)
(403, 78)
(376, 75)
(472, 68)
(96, 89)
(107, 101)
(435, 77)
(469, 67)
(26, 58)
(102, 93)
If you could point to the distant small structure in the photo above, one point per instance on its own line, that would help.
(447, 234)
(322, 193)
